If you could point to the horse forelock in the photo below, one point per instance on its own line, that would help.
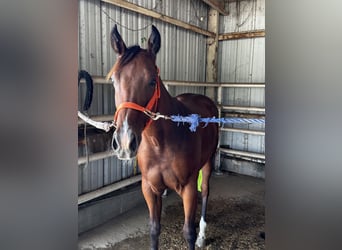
(124, 59)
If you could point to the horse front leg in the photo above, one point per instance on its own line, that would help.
(154, 203)
(189, 196)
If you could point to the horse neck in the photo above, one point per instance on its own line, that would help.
(166, 106)
(165, 102)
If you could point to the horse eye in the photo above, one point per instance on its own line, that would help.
(152, 82)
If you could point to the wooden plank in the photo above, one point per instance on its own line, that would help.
(156, 15)
(190, 83)
(217, 5)
(241, 35)
(107, 189)
(234, 153)
(240, 108)
(95, 157)
(212, 47)
(102, 80)
(245, 131)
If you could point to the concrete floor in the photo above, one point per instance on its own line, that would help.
(135, 221)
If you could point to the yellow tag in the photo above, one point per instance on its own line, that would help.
(199, 181)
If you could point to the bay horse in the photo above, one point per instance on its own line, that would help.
(169, 155)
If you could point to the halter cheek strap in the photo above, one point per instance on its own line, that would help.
(153, 102)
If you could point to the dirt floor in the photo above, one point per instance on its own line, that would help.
(235, 219)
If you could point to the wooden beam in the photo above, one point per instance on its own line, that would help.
(241, 35)
(217, 5)
(212, 47)
(102, 80)
(156, 15)
(107, 189)
(242, 153)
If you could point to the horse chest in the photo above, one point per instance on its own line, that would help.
(168, 172)
(160, 178)
(167, 165)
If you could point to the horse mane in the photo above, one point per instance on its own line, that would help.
(124, 59)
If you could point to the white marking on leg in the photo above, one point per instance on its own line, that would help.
(164, 195)
(201, 234)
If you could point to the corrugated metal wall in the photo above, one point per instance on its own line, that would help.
(243, 60)
(182, 57)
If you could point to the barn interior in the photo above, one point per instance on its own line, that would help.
(210, 47)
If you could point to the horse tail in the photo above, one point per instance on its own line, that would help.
(89, 82)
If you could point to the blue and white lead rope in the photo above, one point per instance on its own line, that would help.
(194, 120)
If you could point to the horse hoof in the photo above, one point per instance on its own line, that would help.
(200, 242)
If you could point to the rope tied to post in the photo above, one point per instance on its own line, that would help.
(106, 126)
(193, 119)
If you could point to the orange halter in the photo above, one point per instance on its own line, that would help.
(150, 105)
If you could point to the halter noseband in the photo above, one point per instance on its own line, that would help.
(146, 110)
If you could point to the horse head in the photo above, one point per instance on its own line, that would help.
(136, 82)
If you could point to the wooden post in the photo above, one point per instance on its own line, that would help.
(212, 47)
(211, 71)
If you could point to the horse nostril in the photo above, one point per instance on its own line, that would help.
(133, 145)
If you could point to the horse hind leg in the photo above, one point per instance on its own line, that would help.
(206, 172)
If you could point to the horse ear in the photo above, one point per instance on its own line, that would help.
(117, 43)
(154, 41)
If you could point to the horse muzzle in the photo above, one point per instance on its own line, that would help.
(125, 144)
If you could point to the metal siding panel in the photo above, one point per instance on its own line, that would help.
(228, 23)
(180, 54)
(243, 61)
(258, 70)
(118, 164)
(113, 167)
(82, 34)
(124, 170)
(81, 96)
(243, 15)
(260, 15)
(238, 141)
(80, 181)
(256, 143)
(106, 172)
(257, 98)
(92, 52)
(108, 100)
(227, 61)
(94, 172)
(171, 48)
(98, 175)
(108, 56)
(86, 177)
